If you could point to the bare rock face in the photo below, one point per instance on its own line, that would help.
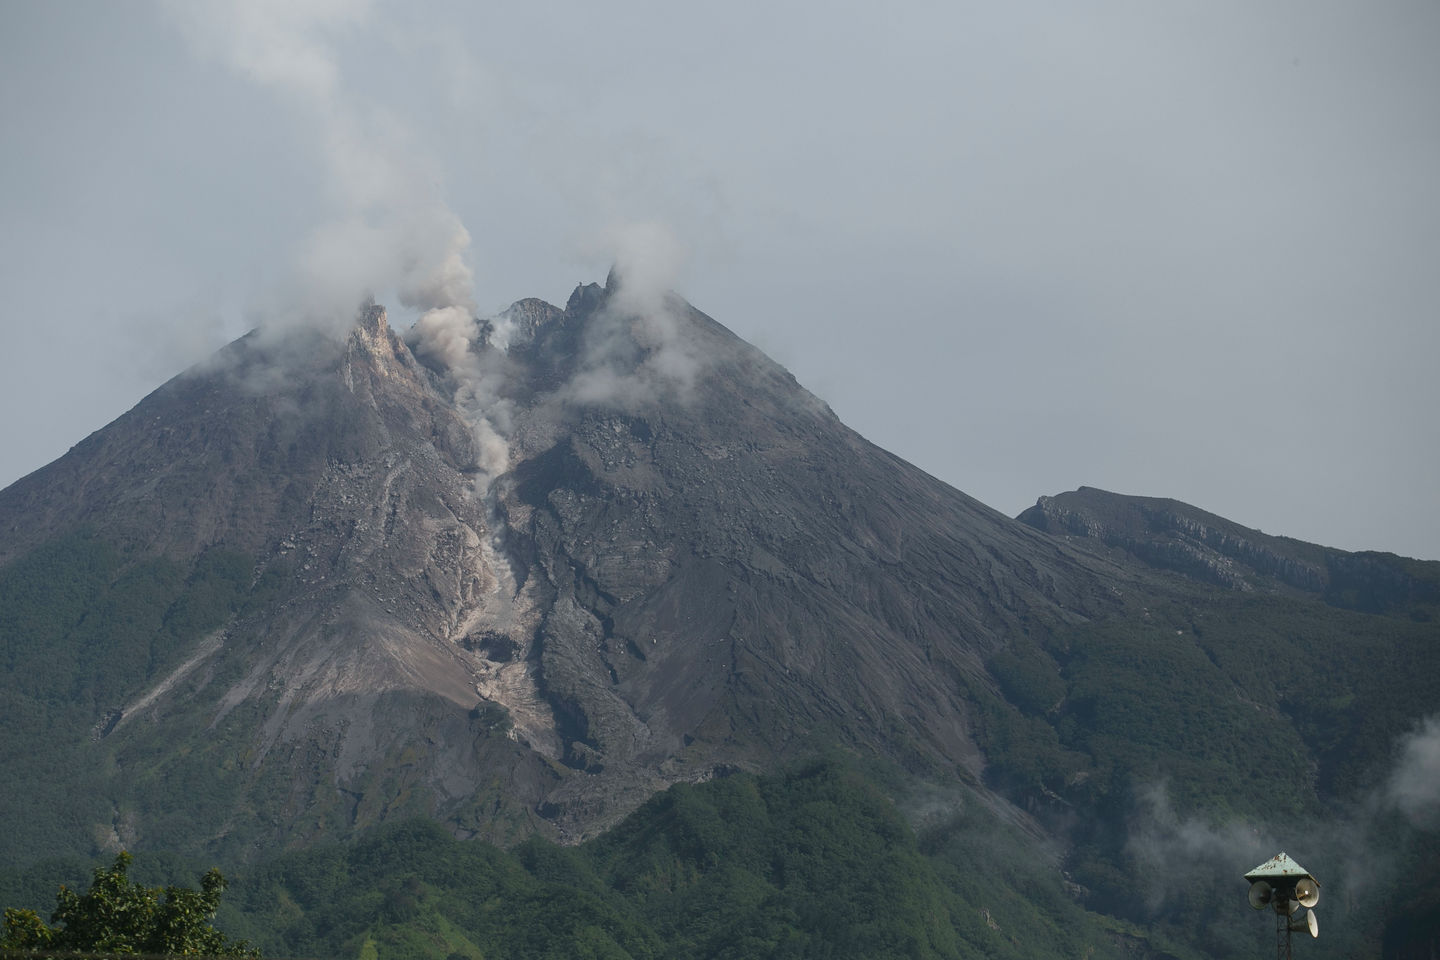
(687, 564)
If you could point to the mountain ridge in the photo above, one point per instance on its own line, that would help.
(1172, 535)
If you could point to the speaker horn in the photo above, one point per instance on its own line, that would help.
(1260, 894)
(1307, 891)
(1310, 924)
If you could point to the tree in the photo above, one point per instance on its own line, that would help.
(119, 916)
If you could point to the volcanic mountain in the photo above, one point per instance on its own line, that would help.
(689, 563)
(521, 578)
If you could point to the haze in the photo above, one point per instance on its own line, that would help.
(1188, 250)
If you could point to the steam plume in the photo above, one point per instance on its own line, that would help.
(388, 229)
(648, 259)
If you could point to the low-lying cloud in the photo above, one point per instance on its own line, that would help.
(1359, 847)
(1414, 786)
(1170, 851)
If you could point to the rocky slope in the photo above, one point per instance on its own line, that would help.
(686, 563)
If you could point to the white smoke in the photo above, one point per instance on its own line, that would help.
(648, 258)
(443, 280)
(446, 333)
(477, 380)
(276, 43)
(388, 231)
(1414, 785)
(1170, 851)
(642, 312)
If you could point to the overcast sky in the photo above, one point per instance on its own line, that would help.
(1187, 250)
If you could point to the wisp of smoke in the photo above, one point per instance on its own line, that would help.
(445, 334)
(387, 232)
(1167, 849)
(442, 280)
(648, 258)
(1414, 786)
(275, 43)
(1170, 851)
(640, 316)
(387, 229)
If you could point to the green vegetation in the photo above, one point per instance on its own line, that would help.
(83, 627)
(1248, 714)
(1237, 702)
(814, 863)
(118, 916)
(817, 862)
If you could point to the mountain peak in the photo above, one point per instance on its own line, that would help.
(372, 319)
(523, 320)
(372, 327)
(586, 297)
(374, 339)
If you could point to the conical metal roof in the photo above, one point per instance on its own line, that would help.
(1281, 866)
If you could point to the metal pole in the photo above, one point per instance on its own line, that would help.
(1282, 934)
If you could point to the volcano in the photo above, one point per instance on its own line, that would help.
(688, 564)
(521, 579)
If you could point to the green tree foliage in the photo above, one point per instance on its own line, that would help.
(818, 862)
(84, 628)
(1229, 715)
(118, 916)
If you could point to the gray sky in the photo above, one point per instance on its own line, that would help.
(1174, 249)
